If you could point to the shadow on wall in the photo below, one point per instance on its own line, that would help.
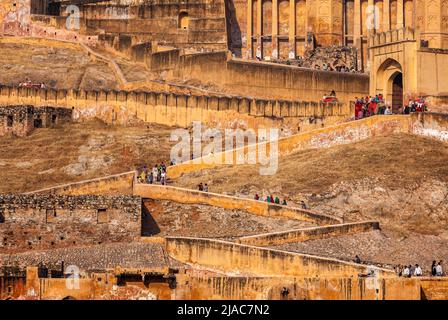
(149, 225)
(234, 40)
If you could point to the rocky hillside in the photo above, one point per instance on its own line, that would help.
(79, 151)
(401, 180)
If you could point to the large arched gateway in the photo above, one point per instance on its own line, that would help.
(389, 82)
(404, 68)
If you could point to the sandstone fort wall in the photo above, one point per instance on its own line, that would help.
(262, 79)
(51, 221)
(343, 133)
(433, 125)
(220, 287)
(12, 286)
(235, 258)
(119, 184)
(434, 288)
(16, 120)
(304, 234)
(306, 288)
(122, 107)
(22, 120)
(261, 208)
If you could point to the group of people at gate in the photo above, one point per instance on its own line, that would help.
(370, 106)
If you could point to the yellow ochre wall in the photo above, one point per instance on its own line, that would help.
(235, 258)
(310, 233)
(218, 200)
(343, 133)
(306, 288)
(122, 107)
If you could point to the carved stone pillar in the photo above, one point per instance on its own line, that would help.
(259, 52)
(275, 29)
(357, 40)
(249, 42)
(386, 15)
(292, 29)
(400, 18)
(357, 20)
(371, 16)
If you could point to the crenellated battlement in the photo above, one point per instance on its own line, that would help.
(394, 36)
(166, 108)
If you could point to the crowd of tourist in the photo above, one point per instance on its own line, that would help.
(156, 174)
(409, 271)
(369, 106)
(416, 271)
(271, 199)
(276, 200)
(418, 105)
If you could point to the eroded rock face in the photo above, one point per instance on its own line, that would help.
(194, 220)
(382, 248)
(420, 207)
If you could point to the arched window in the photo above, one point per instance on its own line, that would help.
(183, 20)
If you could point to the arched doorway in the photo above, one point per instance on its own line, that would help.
(184, 20)
(389, 82)
(397, 92)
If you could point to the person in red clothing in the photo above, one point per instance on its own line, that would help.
(358, 108)
(372, 107)
(367, 107)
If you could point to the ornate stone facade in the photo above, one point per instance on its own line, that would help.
(335, 22)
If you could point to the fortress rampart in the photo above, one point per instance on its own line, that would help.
(235, 258)
(298, 288)
(111, 185)
(261, 208)
(311, 233)
(22, 120)
(206, 287)
(51, 221)
(433, 125)
(122, 107)
(343, 133)
(279, 81)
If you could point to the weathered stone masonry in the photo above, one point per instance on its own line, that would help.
(50, 221)
(22, 120)
(122, 107)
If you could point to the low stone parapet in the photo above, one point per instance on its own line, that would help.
(114, 184)
(312, 233)
(239, 259)
(344, 133)
(257, 207)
